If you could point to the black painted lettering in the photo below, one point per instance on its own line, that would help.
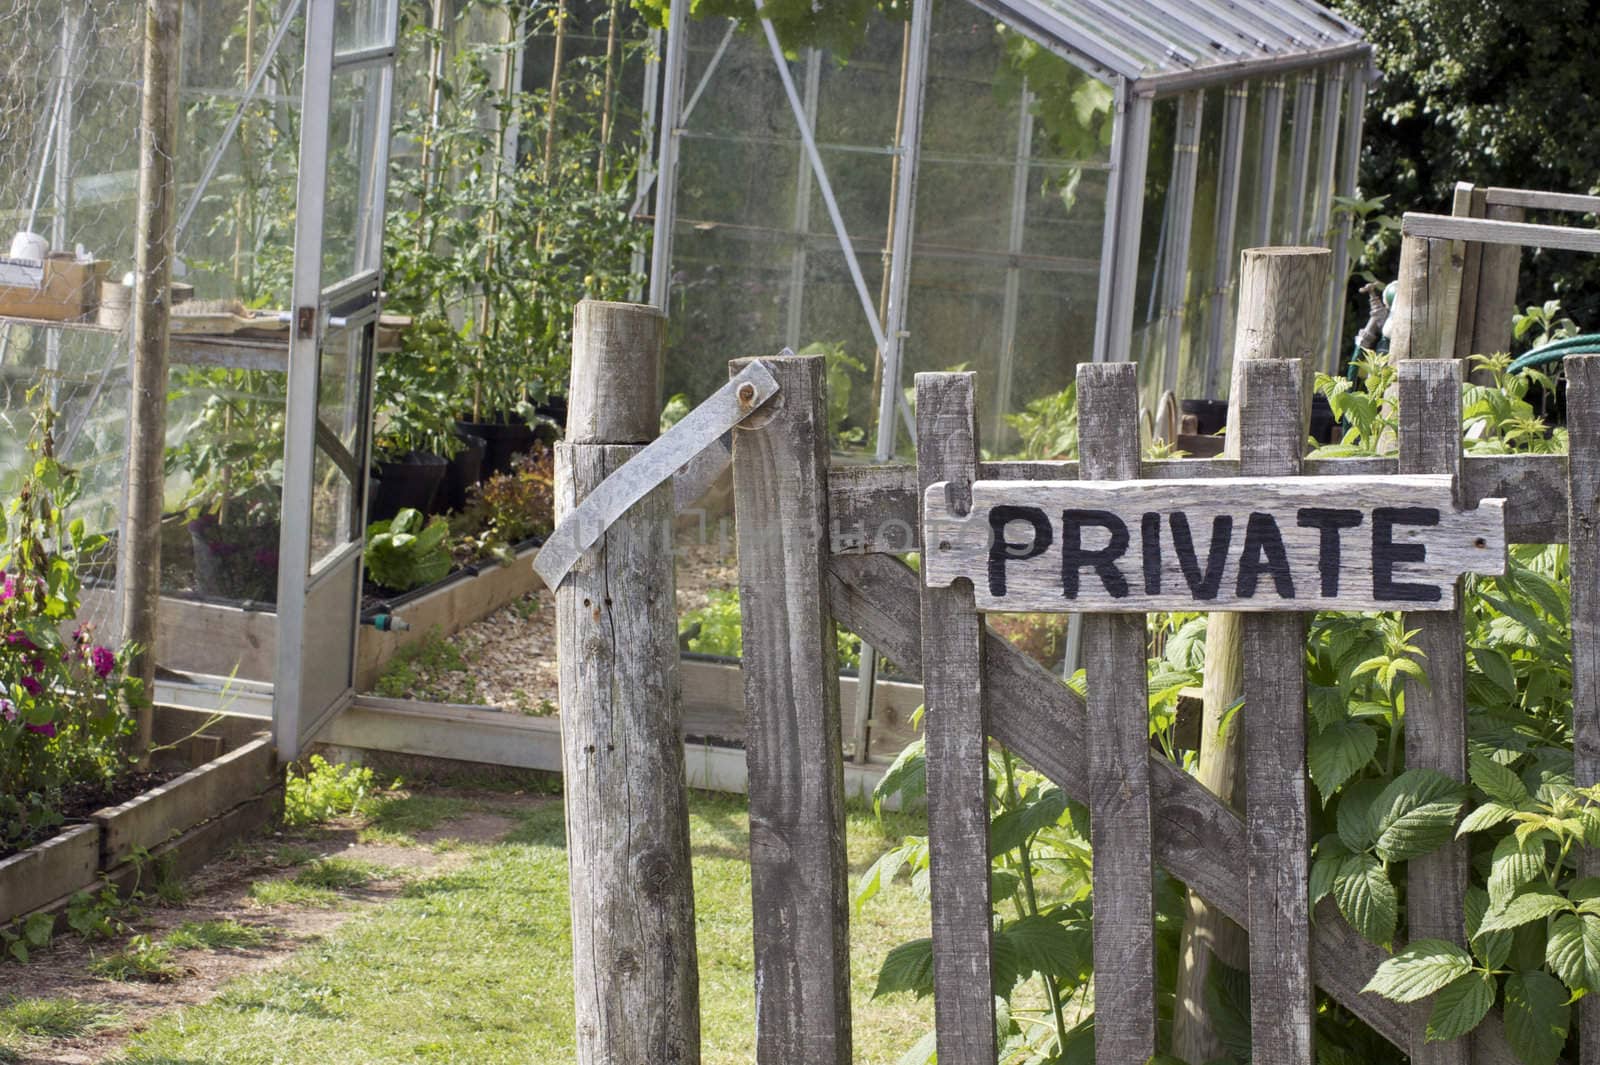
(1386, 554)
(1330, 520)
(1103, 560)
(1264, 553)
(1150, 541)
(1202, 585)
(1002, 550)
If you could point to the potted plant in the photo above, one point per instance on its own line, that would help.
(415, 435)
(231, 452)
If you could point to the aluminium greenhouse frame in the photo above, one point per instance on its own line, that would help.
(1146, 51)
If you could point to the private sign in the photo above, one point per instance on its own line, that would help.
(1240, 544)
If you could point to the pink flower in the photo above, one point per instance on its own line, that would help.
(30, 686)
(81, 633)
(7, 711)
(47, 730)
(8, 588)
(37, 665)
(103, 660)
(20, 639)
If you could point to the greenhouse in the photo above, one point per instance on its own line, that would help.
(1009, 187)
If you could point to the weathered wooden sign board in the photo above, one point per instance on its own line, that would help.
(1243, 544)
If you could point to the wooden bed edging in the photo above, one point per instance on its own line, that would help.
(179, 825)
(1043, 720)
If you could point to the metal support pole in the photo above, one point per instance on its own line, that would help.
(1267, 165)
(1119, 255)
(1013, 289)
(802, 208)
(1228, 182)
(909, 148)
(1180, 193)
(676, 64)
(1349, 167)
(647, 142)
(824, 186)
(1327, 158)
(1305, 105)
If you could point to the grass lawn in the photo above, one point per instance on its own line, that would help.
(474, 966)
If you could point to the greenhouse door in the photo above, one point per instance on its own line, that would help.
(344, 150)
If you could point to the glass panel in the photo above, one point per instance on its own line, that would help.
(362, 24)
(334, 514)
(352, 221)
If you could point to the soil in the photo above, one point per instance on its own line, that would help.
(221, 892)
(80, 800)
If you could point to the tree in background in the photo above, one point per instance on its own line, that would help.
(1492, 93)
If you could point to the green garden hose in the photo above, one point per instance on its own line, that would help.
(1556, 350)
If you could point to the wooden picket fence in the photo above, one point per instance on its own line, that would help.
(817, 547)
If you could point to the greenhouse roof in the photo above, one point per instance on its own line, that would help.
(1170, 45)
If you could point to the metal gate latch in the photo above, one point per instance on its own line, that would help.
(663, 457)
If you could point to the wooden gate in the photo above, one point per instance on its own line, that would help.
(817, 546)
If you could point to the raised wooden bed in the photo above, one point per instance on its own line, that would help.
(179, 824)
(221, 640)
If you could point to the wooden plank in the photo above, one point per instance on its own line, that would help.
(1583, 464)
(1498, 274)
(627, 814)
(1542, 201)
(1197, 838)
(1468, 202)
(1428, 303)
(1277, 817)
(1435, 719)
(1119, 744)
(150, 819)
(1491, 231)
(60, 865)
(1251, 544)
(794, 740)
(879, 516)
(956, 728)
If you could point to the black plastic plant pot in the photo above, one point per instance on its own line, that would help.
(237, 562)
(464, 471)
(504, 438)
(409, 480)
(1211, 414)
(553, 415)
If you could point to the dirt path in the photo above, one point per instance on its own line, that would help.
(223, 892)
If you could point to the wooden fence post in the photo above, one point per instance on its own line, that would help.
(1583, 561)
(1119, 751)
(1281, 316)
(956, 727)
(1277, 819)
(1423, 345)
(634, 963)
(139, 556)
(793, 745)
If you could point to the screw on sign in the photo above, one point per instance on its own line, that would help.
(1246, 544)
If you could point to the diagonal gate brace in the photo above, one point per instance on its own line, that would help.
(663, 457)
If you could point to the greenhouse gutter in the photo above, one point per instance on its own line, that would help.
(1223, 73)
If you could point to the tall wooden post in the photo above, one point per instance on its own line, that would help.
(634, 961)
(1281, 315)
(793, 747)
(139, 554)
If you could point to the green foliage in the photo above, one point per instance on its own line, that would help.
(324, 791)
(230, 445)
(842, 369)
(337, 874)
(143, 959)
(715, 629)
(512, 507)
(1466, 92)
(490, 249)
(63, 701)
(408, 551)
(216, 935)
(414, 391)
(432, 668)
(1048, 426)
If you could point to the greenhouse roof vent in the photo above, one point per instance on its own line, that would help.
(1168, 46)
